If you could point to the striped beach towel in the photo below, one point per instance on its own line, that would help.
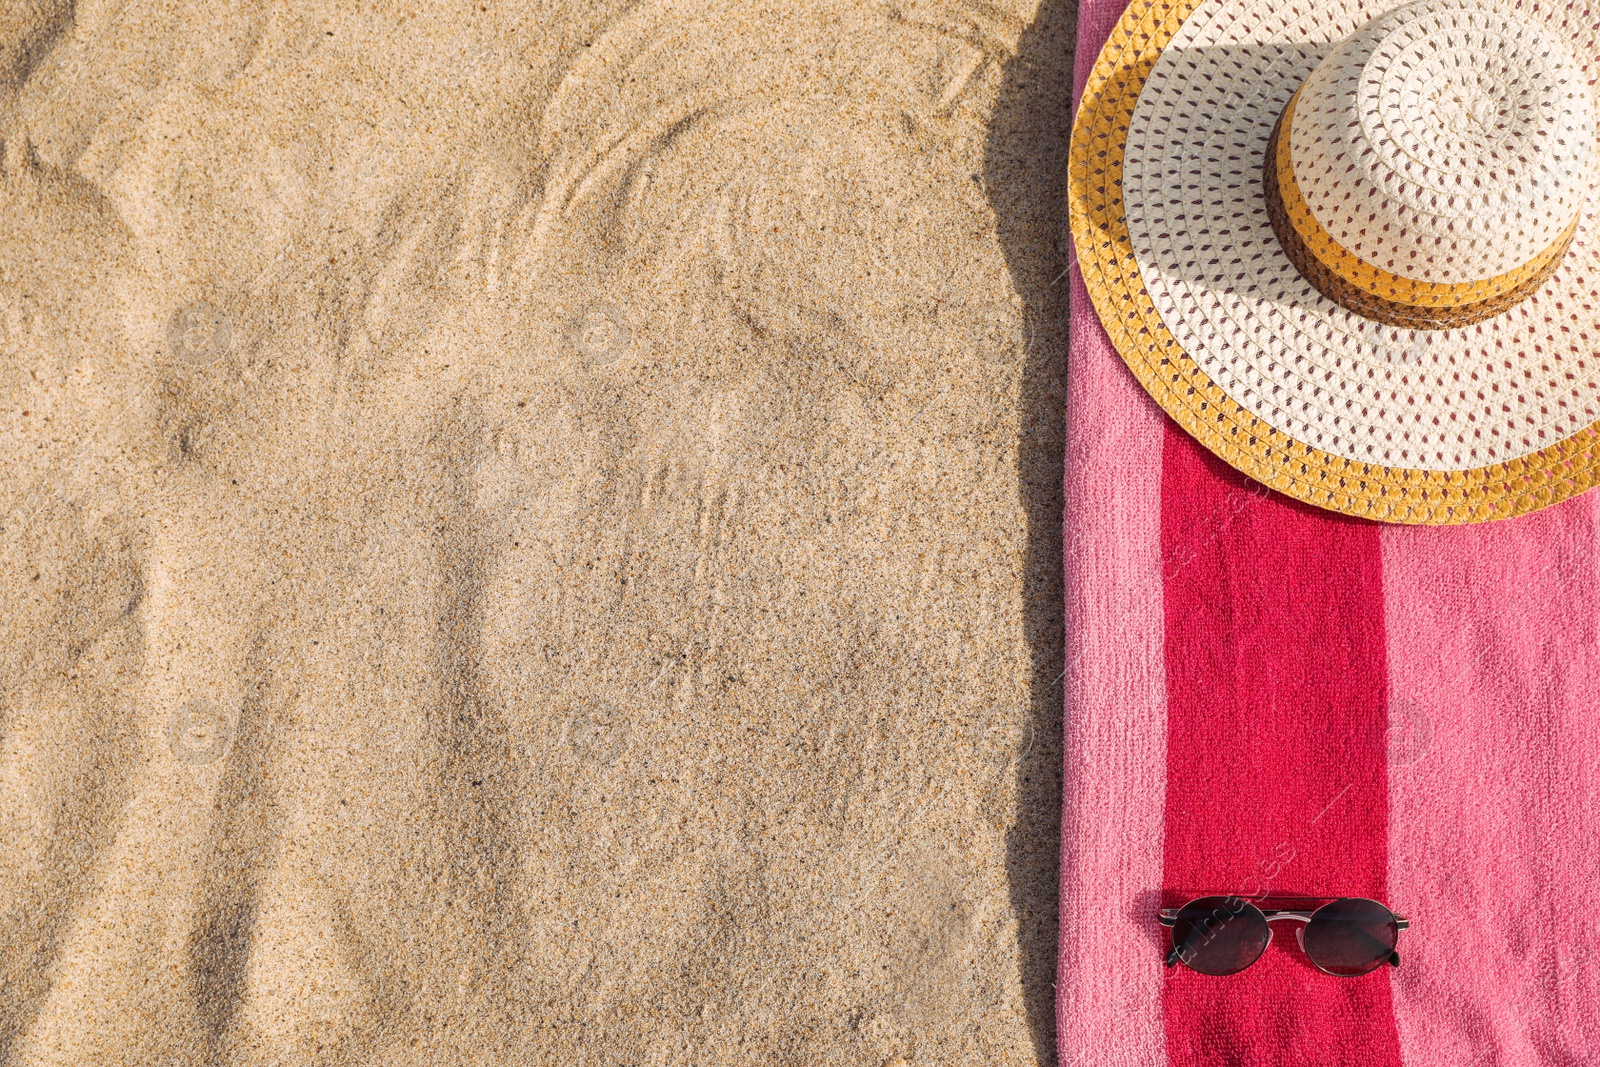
(1265, 699)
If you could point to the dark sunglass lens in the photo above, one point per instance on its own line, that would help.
(1351, 936)
(1219, 935)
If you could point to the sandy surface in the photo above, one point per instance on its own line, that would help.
(530, 532)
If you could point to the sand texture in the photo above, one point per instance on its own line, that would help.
(530, 533)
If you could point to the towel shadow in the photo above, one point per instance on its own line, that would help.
(1025, 168)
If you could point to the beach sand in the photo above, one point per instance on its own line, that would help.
(530, 533)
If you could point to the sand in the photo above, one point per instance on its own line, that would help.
(530, 533)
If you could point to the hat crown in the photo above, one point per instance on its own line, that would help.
(1446, 141)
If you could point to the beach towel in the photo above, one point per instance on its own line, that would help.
(1269, 700)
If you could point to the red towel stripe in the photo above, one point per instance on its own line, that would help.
(1276, 756)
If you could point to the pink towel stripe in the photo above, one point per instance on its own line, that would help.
(1109, 971)
(1493, 633)
(1109, 975)
(1276, 768)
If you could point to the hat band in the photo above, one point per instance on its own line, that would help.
(1369, 290)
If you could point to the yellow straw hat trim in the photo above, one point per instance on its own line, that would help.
(1242, 439)
(1374, 279)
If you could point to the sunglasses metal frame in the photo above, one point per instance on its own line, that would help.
(1168, 917)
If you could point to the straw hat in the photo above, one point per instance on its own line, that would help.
(1352, 248)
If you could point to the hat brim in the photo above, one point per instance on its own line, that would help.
(1111, 271)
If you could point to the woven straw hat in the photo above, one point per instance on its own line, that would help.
(1353, 247)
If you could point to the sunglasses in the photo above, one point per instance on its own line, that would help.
(1223, 935)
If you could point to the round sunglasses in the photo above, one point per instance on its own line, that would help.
(1346, 937)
